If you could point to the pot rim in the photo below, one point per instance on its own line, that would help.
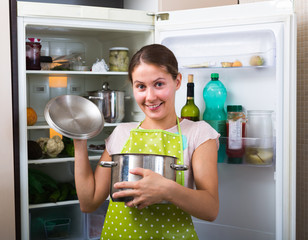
(143, 154)
(105, 91)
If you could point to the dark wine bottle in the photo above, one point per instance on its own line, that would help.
(190, 110)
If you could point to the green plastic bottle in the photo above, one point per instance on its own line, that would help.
(190, 110)
(215, 94)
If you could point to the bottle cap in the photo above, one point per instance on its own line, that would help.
(234, 108)
(214, 75)
(190, 78)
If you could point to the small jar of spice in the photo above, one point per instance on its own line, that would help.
(236, 123)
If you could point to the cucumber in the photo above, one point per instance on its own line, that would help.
(54, 197)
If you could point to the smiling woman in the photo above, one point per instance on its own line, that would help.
(154, 75)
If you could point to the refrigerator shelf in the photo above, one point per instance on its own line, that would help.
(61, 160)
(51, 72)
(234, 68)
(47, 205)
(44, 125)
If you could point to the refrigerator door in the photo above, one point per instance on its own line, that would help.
(255, 202)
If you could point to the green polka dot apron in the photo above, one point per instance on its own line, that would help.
(158, 221)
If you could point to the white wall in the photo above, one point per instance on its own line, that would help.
(7, 207)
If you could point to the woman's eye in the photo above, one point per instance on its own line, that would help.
(159, 84)
(140, 86)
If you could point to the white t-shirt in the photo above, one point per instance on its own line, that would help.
(194, 134)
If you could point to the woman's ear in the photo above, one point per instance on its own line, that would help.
(178, 81)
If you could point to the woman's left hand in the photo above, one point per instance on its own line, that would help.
(147, 191)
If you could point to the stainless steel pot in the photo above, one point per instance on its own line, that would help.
(109, 102)
(122, 163)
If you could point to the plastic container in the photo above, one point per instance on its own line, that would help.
(118, 59)
(57, 228)
(236, 124)
(260, 127)
(33, 53)
(215, 94)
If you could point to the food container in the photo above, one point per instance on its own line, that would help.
(118, 59)
(57, 228)
(121, 164)
(33, 52)
(259, 125)
(109, 102)
(260, 129)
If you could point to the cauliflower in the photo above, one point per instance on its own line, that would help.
(43, 142)
(51, 146)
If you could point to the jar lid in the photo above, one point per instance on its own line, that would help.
(36, 40)
(118, 48)
(234, 108)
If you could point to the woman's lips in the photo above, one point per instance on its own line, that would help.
(154, 107)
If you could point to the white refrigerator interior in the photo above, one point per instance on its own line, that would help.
(256, 201)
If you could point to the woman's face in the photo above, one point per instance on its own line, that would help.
(154, 90)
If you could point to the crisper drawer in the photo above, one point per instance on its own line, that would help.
(68, 223)
(94, 221)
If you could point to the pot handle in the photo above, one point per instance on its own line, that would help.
(177, 167)
(108, 164)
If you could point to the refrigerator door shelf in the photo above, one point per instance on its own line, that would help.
(251, 60)
(253, 152)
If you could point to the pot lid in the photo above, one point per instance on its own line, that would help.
(105, 88)
(74, 116)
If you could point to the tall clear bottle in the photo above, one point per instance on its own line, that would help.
(215, 94)
(190, 110)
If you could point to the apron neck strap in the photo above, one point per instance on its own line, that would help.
(177, 122)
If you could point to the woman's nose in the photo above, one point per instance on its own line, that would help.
(150, 94)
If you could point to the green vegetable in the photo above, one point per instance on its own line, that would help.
(68, 147)
(65, 190)
(40, 186)
(43, 178)
(54, 196)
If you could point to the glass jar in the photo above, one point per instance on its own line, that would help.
(33, 53)
(118, 59)
(236, 124)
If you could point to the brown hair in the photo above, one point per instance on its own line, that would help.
(156, 54)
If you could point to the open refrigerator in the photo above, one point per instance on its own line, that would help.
(256, 201)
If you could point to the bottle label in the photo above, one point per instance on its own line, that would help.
(219, 126)
(235, 134)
